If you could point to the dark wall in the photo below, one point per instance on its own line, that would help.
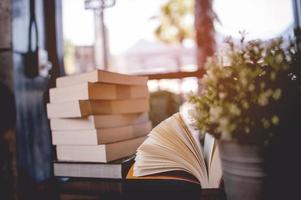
(33, 136)
(25, 146)
(33, 133)
(34, 150)
(7, 107)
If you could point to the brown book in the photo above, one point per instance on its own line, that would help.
(98, 153)
(83, 108)
(113, 170)
(98, 121)
(97, 91)
(100, 136)
(101, 76)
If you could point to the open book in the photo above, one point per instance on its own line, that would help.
(174, 145)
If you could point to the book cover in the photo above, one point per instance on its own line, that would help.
(97, 91)
(117, 169)
(84, 108)
(101, 76)
(98, 153)
(98, 121)
(100, 136)
(168, 185)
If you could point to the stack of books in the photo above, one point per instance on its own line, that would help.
(98, 119)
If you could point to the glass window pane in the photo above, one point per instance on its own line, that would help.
(259, 18)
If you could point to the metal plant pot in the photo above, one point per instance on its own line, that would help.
(243, 171)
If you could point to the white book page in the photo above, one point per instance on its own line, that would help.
(194, 148)
(163, 155)
(208, 149)
(184, 112)
(215, 172)
(211, 154)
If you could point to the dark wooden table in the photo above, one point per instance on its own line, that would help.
(129, 190)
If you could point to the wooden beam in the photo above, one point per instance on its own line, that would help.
(175, 75)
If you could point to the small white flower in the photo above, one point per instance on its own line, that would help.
(279, 58)
(277, 94)
(275, 120)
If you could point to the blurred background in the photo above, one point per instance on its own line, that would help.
(162, 39)
(167, 40)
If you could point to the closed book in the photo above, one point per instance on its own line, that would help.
(100, 136)
(97, 91)
(98, 121)
(83, 108)
(113, 170)
(101, 76)
(98, 153)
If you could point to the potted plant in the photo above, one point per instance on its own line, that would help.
(245, 95)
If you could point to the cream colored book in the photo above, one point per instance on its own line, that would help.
(98, 121)
(97, 91)
(98, 153)
(84, 108)
(172, 146)
(101, 76)
(100, 136)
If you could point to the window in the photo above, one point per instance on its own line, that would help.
(132, 46)
(259, 18)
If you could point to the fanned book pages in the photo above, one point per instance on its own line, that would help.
(101, 76)
(172, 146)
